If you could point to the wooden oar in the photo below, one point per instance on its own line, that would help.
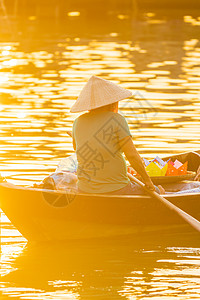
(189, 219)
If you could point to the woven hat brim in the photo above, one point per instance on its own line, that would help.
(80, 107)
(99, 92)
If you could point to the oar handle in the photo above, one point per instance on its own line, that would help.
(189, 219)
(140, 183)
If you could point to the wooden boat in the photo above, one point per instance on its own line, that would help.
(46, 215)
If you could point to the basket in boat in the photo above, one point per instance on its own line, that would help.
(170, 179)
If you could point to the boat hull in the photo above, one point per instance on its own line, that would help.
(43, 215)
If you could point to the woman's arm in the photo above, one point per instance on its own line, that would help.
(74, 143)
(135, 160)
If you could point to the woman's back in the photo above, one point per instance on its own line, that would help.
(101, 165)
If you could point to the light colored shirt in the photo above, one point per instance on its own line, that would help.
(101, 165)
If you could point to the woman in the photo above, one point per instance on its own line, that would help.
(100, 137)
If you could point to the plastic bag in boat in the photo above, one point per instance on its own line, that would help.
(60, 181)
(185, 187)
(192, 191)
(190, 188)
(64, 177)
(68, 164)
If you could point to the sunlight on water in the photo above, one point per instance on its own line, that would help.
(41, 77)
(171, 278)
(38, 93)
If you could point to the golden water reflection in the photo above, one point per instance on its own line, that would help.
(38, 88)
(132, 268)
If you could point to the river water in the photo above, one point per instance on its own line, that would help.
(157, 57)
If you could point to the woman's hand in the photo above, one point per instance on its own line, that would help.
(159, 189)
(149, 184)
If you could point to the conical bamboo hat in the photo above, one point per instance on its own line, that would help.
(99, 92)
